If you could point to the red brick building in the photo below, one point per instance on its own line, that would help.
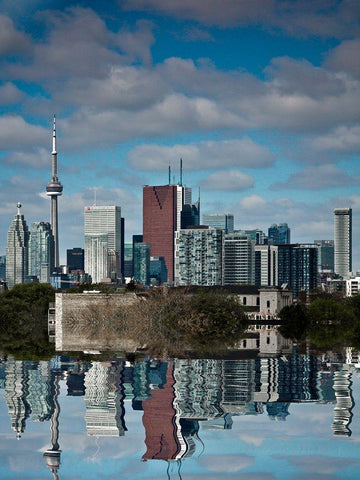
(161, 215)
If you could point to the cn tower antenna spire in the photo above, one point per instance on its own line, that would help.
(53, 190)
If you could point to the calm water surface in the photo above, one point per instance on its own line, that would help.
(294, 417)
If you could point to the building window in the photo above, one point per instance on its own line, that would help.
(257, 301)
(244, 343)
(244, 300)
(268, 303)
(268, 340)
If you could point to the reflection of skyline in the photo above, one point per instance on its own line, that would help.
(178, 398)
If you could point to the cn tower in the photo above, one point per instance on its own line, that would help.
(54, 189)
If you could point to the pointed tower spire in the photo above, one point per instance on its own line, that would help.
(53, 190)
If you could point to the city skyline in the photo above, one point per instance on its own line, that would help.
(261, 102)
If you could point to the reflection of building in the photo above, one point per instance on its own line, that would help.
(52, 455)
(104, 400)
(344, 402)
(16, 393)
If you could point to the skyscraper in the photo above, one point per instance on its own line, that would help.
(239, 259)
(142, 262)
(278, 234)
(75, 258)
(343, 241)
(53, 190)
(41, 251)
(103, 242)
(17, 250)
(162, 207)
(198, 256)
(225, 221)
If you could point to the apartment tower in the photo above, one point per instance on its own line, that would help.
(343, 241)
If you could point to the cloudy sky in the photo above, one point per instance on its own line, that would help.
(260, 98)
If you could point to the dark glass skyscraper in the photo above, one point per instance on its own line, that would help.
(278, 234)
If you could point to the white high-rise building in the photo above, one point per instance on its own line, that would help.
(239, 260)
(102, 242)
(343, 241)
(17, 250)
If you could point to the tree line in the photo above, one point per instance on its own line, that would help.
(328, 321)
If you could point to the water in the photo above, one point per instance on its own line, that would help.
(294, 417)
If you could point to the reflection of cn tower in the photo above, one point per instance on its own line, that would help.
(53, 190)
(52, 456)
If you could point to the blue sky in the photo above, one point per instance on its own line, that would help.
(261, 100)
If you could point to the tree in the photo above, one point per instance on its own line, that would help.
(331, 323)
(294, 322)
(23, 321)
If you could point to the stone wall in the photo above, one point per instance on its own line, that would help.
(89, 321)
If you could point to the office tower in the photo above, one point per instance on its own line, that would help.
(190, 215)
(297, 267)
(142, 262)
(158, 272)
(278, 234)
(225, 221)
(54, 190)
(128, 260)
(325, 254)
(103, 242)
(2, 268)
(198, 256)
(343, 241)
(257, 235)
(75, 259)
(17, 250)
(161, 218)
(41, 251)
(239, 260)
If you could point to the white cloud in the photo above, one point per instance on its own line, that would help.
(228, 180)
(12, 41)
(345, 58)
(16, 133)
(203, 155)
(343, 139)
(10, 94)
(40, 158)
(226, 463)
(317, 177)
(252, 202)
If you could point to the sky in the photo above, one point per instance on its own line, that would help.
(260, 98)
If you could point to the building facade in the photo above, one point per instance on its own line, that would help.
(17, 250)
(142, 263)
(325, 254)
(239, 260)
(278, 234)
(343, 241)
(224, 221)
(75, 259)
(41, 251)
(199, 256)
(103, 242)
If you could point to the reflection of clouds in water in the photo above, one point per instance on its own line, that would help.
(318, 464)
(252, 439)
(226, 463)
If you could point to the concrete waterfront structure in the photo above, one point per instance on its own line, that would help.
(54, 190)
(343, 241)
(17, 250)
(199, 256)
(103, 242)
(41, 251)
